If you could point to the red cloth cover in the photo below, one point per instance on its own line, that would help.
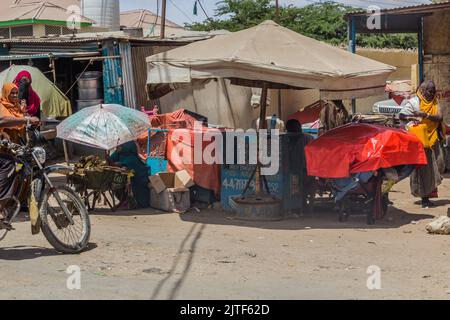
(359, 147)
(205, 176)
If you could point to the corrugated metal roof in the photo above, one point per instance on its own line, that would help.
(426, 7)
(70, 40)
(182, 36)
(37, 10)
(143, 18)
(48, 55)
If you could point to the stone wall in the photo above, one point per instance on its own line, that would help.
(437, 56)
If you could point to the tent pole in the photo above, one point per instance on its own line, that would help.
(279, 104)
(66, 152)
(262, 125)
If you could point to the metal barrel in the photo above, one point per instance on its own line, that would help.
(90, 86)
(81, 104)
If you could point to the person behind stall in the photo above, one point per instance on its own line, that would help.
(127, 156)
(333, 115)
(27, 95)
(424, 109)
(7, 163)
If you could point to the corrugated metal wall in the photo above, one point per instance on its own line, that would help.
(139, 55)
(112, 74)
(34, 48)
(128, 71)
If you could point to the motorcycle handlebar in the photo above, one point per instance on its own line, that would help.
(9, 145)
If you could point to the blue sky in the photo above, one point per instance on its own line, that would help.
(181, 11)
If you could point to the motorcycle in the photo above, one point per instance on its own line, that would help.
(57, 211)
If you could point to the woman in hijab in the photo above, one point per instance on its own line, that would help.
(10, 107)
(12, 126)
(127, 156)
(27, 96)
(424, 108)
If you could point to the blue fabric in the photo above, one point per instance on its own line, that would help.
(345, 185)
(127, 156)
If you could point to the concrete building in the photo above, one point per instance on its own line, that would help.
(28, 18)
(431, 23)
(149, 22)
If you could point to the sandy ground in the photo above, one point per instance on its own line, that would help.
(207, 255)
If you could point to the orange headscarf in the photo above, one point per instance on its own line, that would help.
(10, 109)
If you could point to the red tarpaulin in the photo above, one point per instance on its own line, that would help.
(205, 176)
(361, 147)
(309, 114)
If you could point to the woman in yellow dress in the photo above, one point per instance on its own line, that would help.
(424, 108)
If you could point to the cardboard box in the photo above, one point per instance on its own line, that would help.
(182, 178)
(179, 181)
(170, 200)
(170, 191)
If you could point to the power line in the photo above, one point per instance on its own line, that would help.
(391, 3)
(380, 2)
(152, 30)
(203, 9)
(178, 8)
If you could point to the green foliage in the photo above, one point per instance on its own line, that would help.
(323, 21)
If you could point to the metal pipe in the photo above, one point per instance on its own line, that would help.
(420, 44)
(352, 47)
(97, 58)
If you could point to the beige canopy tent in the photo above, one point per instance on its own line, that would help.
(268, 56)
(269, 53)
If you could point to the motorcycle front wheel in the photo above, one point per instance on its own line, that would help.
(64, 236)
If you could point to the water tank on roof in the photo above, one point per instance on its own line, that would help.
(106, 13)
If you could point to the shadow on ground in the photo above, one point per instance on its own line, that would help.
(185, 252)
(438, 203)
(127, 213)
(395, 218)
(21, 253)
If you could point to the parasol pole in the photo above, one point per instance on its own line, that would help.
(262, 125)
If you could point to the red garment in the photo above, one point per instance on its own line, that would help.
(309, 114)
(206, 176)
(358, 147)
(34, 102)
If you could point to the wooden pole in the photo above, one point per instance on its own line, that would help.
(279, 104)
(262, 125)
(277, 11)
(66, 152)
(163, 19)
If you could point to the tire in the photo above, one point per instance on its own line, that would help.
(79, 244)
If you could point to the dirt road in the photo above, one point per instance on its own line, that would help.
(207, 255)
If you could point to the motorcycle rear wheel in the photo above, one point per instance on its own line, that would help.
(64, 237)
